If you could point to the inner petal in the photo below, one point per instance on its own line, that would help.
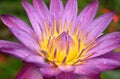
(59, 47)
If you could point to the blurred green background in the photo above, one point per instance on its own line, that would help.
(10, 66)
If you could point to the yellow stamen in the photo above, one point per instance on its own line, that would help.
(46, 29)
(60, 26)
(65, 26)
(55, 28)
(70, 27)
(63, 48)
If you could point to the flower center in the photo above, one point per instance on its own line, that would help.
(62, 47)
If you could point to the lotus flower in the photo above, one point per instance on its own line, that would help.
(62, 44)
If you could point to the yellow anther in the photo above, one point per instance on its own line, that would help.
(62, 48)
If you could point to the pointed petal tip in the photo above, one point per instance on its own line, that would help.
(4, 17)
(24, 2)
(111, 14)
(1, 16)
(95, 2)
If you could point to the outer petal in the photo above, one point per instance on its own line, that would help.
(70, 12)
(22, 52)
(106, 44)
(26, 39)
(42, 9)
(37, 60)
(15, 49)
(56, 9)
(14, 22)
(34, 17)
(67, 76)
(87, 14)
(29, 72)
(49, 77)
(75, 76)
(91, 77)
(49, 71)
(106, 62)
(96, 28)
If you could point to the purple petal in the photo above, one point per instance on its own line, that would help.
(34, 17)
(56, 9)
(29, 72)
(37, 60)
(106, 44)
(66, 68)
(102, 63)
(87, 69)
(14, 22)
(91, 77)
(70, 11)
(68, 75)
(42, 9)
(49, 71)
(20, 51)
(49, 77)
(96, 28)
(26, 39)
(87, 15)
(15, 49)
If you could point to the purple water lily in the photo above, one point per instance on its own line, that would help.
(62, 44)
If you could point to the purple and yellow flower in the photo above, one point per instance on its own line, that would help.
(62, 44)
